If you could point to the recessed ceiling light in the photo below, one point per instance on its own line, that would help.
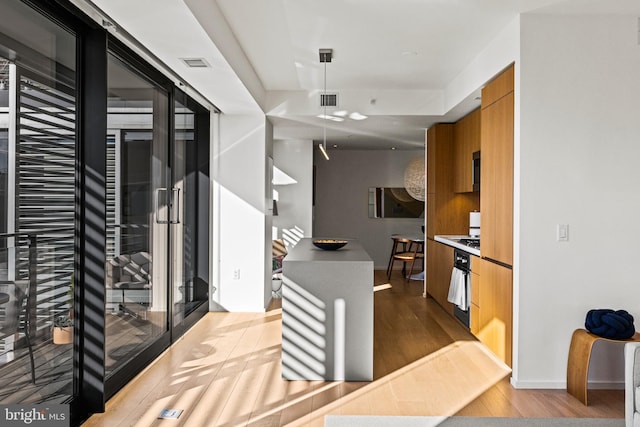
(195, 62)
(357, 116)
(393, 148)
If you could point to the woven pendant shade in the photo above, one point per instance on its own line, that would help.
(414, 179)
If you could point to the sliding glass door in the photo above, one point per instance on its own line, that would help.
(38, 153)
(190, 291)
(104, 209)
(139, 215)
(154, 286)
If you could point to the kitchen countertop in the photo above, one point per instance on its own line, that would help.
(304, 250)
(453, 241)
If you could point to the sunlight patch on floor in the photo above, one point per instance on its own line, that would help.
(412, 387)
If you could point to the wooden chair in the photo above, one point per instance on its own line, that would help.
(405, 250)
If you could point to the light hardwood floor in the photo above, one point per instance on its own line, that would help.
(226, 372)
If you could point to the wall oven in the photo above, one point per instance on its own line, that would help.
(475, 170)
(461, 280)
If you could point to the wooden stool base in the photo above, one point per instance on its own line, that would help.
(578, 364)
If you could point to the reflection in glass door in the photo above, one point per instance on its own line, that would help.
(190, 292)
(38, 186)
(137, 216)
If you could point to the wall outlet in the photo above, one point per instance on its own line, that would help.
(563, 232)
(236, 274)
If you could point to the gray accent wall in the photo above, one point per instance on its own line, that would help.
(341, 198)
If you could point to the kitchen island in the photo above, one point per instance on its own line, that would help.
(327, 313)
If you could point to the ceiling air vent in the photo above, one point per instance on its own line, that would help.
(328, 99)
(195, 62)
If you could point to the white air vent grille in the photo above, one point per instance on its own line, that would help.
(328, 99)
(195, 62)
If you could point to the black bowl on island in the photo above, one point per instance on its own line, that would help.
(329, 244)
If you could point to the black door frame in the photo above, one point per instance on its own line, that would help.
(91, 387)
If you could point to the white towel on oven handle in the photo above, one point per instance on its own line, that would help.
(457, 289)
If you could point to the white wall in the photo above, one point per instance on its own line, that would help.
(579, 149)
(295, 219)
(496, 56)
(240, 230)
(341, 209)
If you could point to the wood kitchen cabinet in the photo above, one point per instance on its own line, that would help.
(447, 212)
(466, 141)
(496, 181)
(439, 266)
(474, 320)
(495, 310)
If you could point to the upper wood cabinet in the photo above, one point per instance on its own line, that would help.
(439, 157)
(447, 212)
(501, 85)
(466, 141)
(496, 176)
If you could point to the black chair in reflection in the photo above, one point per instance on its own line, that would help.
(14, 318)
(130, 272)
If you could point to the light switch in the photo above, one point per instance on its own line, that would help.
(563, 232)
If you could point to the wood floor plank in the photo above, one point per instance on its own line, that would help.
(226, 372)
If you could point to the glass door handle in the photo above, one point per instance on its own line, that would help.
(169, 211)
(175, 206)
(160, 218)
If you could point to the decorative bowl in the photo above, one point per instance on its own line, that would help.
(329, 244)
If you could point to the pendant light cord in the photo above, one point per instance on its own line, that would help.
(324, 102)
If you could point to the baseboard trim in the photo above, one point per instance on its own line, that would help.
(538, 384)
(596, 385)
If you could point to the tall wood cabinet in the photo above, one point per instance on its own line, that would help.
(495, 290)
(496, 180)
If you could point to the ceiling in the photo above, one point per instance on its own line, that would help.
(392, 59)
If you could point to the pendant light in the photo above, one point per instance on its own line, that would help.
(325, 56)
(414, 178)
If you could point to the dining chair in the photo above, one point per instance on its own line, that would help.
(405, 250)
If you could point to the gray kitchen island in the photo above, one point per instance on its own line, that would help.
(327, 313)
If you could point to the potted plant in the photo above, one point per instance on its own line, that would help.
(62, 330)
(63, 323)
